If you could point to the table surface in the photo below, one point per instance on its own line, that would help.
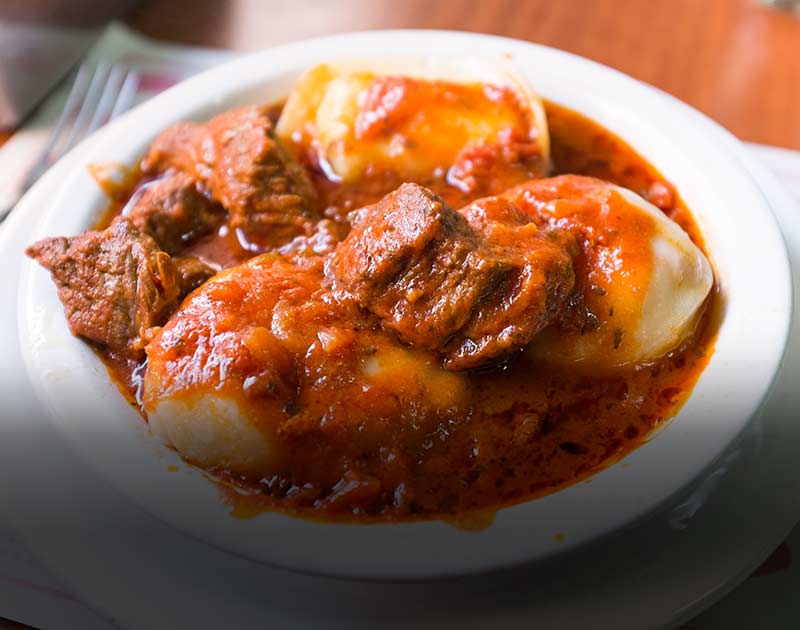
(736, 60)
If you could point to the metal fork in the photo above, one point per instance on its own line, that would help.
(98, 94)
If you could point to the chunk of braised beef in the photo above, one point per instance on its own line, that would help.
(411, 261)
(255, 177)
(474, 285)
(534, 285)
(192, 272)
(238, 158)
(179, 148)
(115, 284)
(174, 211)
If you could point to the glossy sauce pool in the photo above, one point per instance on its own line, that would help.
(534, 428)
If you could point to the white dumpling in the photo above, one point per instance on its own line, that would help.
(643, 279)
(387, 114)
(213, 432)
(260, 365)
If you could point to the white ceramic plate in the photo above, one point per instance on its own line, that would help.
(121, 560)
(745, 244)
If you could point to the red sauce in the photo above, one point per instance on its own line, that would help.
(530, 428)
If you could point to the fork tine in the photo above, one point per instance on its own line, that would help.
(108, 98)
(88, 108)
(97, 95)
(127, 94)
(65, 120)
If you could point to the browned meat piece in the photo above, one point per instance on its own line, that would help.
(179, 148)
(192, 272)
(115, 285)
(238, 159)
(532, 289)
(174, 211)
(254, 177)
(412, 261)
(475, 286)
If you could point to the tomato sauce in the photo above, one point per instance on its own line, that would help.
(532, 428)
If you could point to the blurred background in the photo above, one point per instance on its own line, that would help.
(736, 60)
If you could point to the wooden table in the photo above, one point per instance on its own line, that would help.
(735, 60)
